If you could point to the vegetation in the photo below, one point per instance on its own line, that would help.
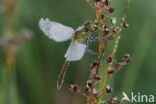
(30, 62)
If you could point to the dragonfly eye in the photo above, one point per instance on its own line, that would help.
(90, 26)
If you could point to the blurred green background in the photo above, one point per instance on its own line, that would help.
(39, 61)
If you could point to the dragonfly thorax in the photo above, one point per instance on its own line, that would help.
(82, 34)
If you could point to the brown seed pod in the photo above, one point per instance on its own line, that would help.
(111, 71)
(108, 89)
(73, 87)
(125, 24)
(110, 10)
(109, 59)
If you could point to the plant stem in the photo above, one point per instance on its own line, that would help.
(108, 67)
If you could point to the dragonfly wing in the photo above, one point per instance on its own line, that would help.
(55, 31)
(75, 51)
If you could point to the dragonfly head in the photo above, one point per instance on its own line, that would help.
(90, 26)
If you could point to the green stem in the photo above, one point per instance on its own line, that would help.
(101, 88)
(115, 48)
(100, 62)
(116, 44)
(109, 66)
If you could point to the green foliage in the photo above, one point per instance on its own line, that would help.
(39, 61)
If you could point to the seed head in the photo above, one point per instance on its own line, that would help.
(108, 89)
(105, 26)
(97, 77)
(125, 24)
(95, 92)
(97, 0)
(116, 64)
(103, 16)
(106, 30)
(113, 20)
(109, 59)
(73, 87)
(110, 101)
(111, 71)
(126, 57)
(94, 64)
(107, 2)
(95, 95)
(111, 10)
(129, 60)
(89, 83)
(116, 29)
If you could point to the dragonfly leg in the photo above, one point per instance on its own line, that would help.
(94, 38)
(91, 52)
(88, 50)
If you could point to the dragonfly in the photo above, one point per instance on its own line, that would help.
(79, 40)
